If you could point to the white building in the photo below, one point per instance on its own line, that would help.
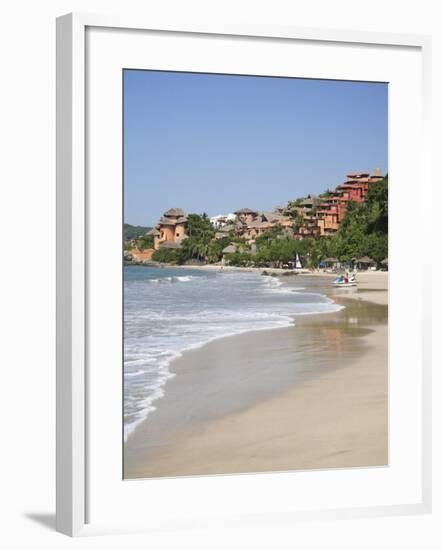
(221, 220)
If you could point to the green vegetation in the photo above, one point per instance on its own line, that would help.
(144, 242)
(133, 231)
(326, 194)
(241, 259)
(295, 203)
(298, 220)
(200, 233)
(215, 251)
(364, 229)
(265, 239)
(168, 256)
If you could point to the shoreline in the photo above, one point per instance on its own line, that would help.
(215, 267)
(373, 284)
(230, 402)
(285, 321)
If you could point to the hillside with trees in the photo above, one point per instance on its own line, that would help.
(364, 229)
(134, 231)
(362, 232)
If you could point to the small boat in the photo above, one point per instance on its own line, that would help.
(345, 282)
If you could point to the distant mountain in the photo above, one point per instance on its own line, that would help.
(134, 231)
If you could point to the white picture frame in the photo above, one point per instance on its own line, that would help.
(75, 476)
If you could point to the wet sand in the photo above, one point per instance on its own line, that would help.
(313, 395)
(372, 286)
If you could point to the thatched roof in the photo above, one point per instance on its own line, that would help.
(230, 249)
(330, 260)
(171, 221)
(271, 216)
(167, 221)
(174, 213)
(377, 173)
(311, 200)
(170, 244)
(307, 202)
(281, 210)
(385, 262)
(153, 232)
(245, 211)
(364, 260)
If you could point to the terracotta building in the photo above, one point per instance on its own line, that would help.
(331, 210)
(171, 228)
(246, 215)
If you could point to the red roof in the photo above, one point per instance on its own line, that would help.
(351, 186)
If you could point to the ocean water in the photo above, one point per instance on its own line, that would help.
(168, 311)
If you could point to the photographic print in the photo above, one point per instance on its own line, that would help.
(255, 271)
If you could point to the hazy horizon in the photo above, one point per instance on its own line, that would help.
(217, 143)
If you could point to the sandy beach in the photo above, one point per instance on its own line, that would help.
(308, 396)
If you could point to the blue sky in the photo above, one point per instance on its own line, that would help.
(217, 143)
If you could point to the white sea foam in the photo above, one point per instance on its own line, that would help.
(161, 322)
(136, 373)
(172, 279)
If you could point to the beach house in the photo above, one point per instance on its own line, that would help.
(170, 229)
(357, 185)
(327, 218)
(256, 228)
(246, 215)
(331, 210)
